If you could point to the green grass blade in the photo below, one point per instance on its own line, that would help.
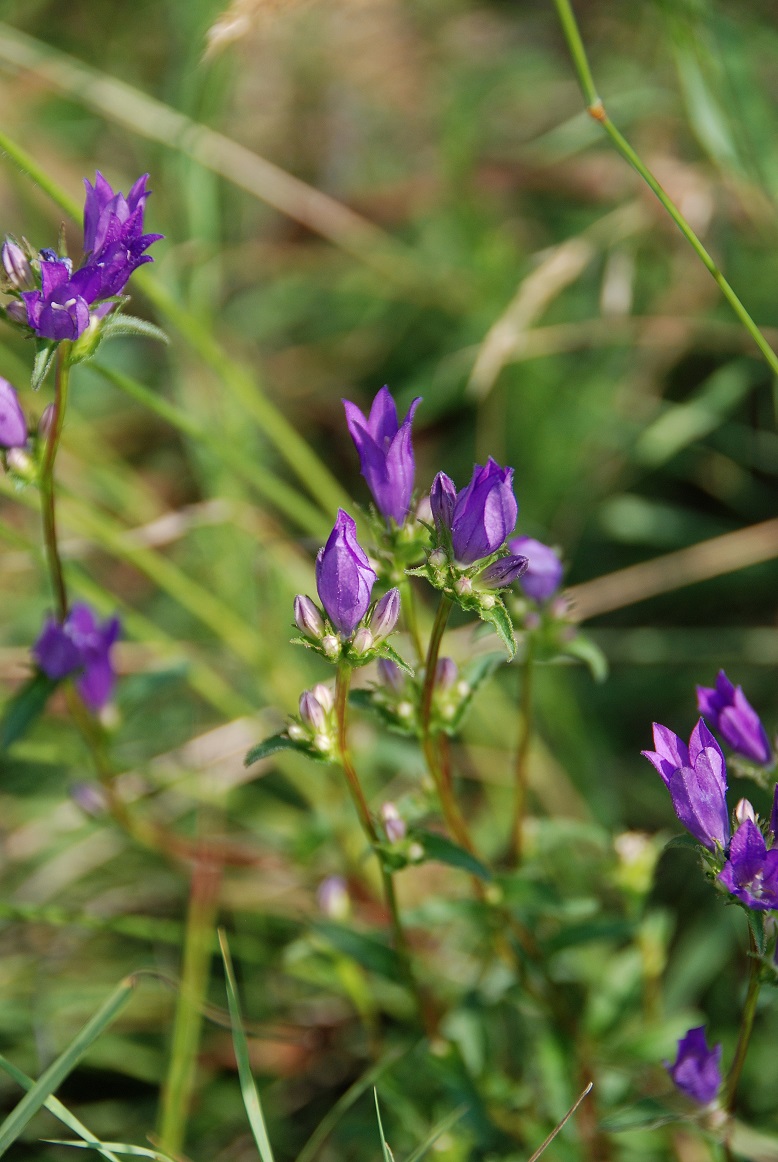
(439, 1128)
(56, 1073)
(248, 1088)
(388, 1155)
(55, 1106)
(119, 1147)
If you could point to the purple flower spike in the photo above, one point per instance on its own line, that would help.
(697, 1069)
(80, 643)
(751, 872)
(13, 426)
(544, 572)
(733, 716)
(696, 777)
(484, 514)
(113, 233)
(385, 453)
(344, 577)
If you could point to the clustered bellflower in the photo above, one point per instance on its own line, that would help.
(479, 517)
(731, 714)
(696, 777)
(696, 1070)
(114, 246)
(543, 575)
(751, 871)
(385, 453)
(80, 645)
(13, 426)
(344, 576)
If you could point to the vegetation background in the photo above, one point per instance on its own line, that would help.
(499, 259)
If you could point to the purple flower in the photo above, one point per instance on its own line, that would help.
(502, 572)
(697, 1069)
(544, 572)
(13, 426)
(344, 577)
(17, 266)
(385, 453)
(481, 516)
(385, 615)
(696, 777)
(733, 716)
(113, 233)
(60, 309)
(80, 643)
(751, 871)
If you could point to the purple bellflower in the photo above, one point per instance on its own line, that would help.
(13, 426)
(751, 871)
(385, 453)
(732, 715)
(114, 245)
(80, 644)
(481, 516)
(697, 1069)
(502, 572)
(543, 575)
(344, 576)
(696, 777)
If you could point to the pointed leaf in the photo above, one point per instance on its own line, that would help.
(386, 651)
(24, 707)
(388, 1155)
(264, 749)
(365, 950)
(498, 618)
(130, 325)
(444, 850)
(585, 650)
(43, 360)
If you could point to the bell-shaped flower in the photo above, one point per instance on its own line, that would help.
(732, 715)
(60, 309)
(502, 572)
(696, 1070)
(696, 777)
(80, 644)
(751, 871)
(480, 517)
(114, 241)
(385, 615)
(13, 426)
(543, 574)
(385, 453)
(344, 576)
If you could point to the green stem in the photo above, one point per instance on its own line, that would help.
(522, 758)
(451, 813)
(596, 110)
(746, 1028)
(198, 942)
(48, 503)
(411, 620)
(342, 685)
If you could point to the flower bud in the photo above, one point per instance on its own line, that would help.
(296, 732)
(344, 576)
(333, 898)
(312, 711)
(502, 572)
(16, 312)
(17, 266)
(13, 426)
(464, 586)
(307, 617)
(90, 797)
(438, 559)
(322, 743)
(46, 422)
(323, 696)
(446, 673)
(391, 675)
(443, 495)
(394, 825)
(744, 810)
(416, 853)
(331, 646)
(385, 615)
(363, 641)
(543, 575)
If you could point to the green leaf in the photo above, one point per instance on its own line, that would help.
(386, 651)
(481, 668)
(443, 850)
(752, 1144)
(104, 1148)
(52, 1078)
(499, 618)
(24, 707)
(388, 1155)
(756, 924)
(130, 325)
(44, 356)
(646, 1114)
(585, 650)
(240, 1043)
(365, 950)
(264, 749)
(439, 1128)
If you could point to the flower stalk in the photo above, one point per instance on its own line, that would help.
(746, 1027)
(516, 850)
(48, 502)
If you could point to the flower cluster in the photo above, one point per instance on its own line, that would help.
(56, 301)
(315, 728)
(80, 646)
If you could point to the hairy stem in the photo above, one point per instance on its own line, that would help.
(596, 110)
(48, 502)
(746, 1028)
(516, 849)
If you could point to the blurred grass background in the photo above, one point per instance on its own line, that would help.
(497, 258)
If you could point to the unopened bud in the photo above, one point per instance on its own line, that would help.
(463, 586)
(391, 675)
(20, 463)
(488, 601)
(744, 811)
(362, 642)
(89, 797)
(405, 710)
(296, 732)
(17, 266)
(416, 853)
(312, 711)
(331, 646)
(333, 898)
(322, 743)
(323, 696)
(394, 824)
(503, 572)
(424, 510)
(385, 615)
(446, 673)
(307, 617)
(437, 559)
